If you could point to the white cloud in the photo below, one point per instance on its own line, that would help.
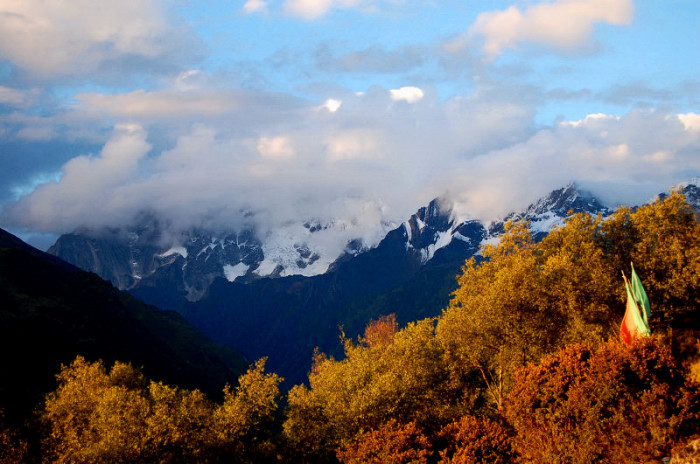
(36, 133)
(286, 161)
(353, 145)
(279, 147)
(308, 9)
(562, 24)
(590, 119)
(691, 121)
(408, 94)
(332, 105)
(189, 80)
(90, 184)
(78, 36)
(255, 6)
(314, 9)
(625, 160)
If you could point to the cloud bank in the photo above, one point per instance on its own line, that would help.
(360, 160)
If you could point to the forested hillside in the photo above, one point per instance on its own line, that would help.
(51, 311)
(525, 364)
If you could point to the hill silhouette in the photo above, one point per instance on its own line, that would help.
(51, 311)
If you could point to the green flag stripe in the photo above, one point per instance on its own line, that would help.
(642, 326)
(640, 296)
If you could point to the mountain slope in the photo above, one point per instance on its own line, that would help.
(410, 273)
(50, 311)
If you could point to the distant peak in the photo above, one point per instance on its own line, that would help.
(560, 203)
(438, 214)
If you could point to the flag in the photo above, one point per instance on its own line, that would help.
(640, 296)
(635, 322)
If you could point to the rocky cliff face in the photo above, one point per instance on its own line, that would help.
(138, 256)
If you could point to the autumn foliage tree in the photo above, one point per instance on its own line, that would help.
(13, 449)
(179, 425)
(96, 416)
(402, 378)
(244, 424)
(115, 416)
(515, 369)
(616, 403)
(663, 241)
(476, 440)
(391, 443)
(529, 299)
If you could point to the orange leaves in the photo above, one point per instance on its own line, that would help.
(380, 332)
(391, 443)
(473, 440)
(617, 403)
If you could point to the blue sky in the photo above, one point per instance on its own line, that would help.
(362, 110)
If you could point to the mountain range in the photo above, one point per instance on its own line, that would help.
(214, 279)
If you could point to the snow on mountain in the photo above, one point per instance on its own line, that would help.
(140, 256)
(435, 227)
(177, 250)
(147, 252)
(234, 272)
(551, 211)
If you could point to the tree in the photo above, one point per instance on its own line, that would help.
(391, 443)
(401, 378)
(667, 256)
(495, 320)
(245, 422)
(616, 403)
(179, 425)
(476, 440)
(94, 416)
(13, 449)
(576, 282)
(528, 299)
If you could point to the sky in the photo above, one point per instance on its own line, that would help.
(218, 113)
